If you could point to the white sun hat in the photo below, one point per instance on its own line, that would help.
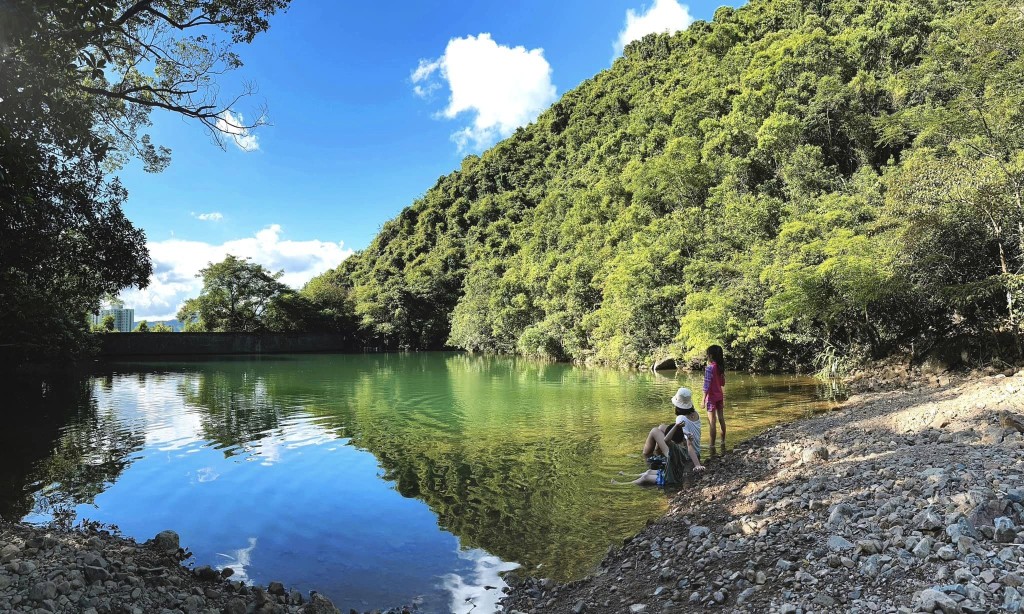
(683, 399)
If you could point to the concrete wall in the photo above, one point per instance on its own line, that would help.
(197, 344)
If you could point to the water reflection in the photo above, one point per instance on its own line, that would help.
(360, 474)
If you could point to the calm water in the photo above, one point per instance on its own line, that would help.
(380, 480)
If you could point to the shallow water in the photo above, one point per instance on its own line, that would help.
(379, 480)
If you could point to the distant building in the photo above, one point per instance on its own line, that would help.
(124, 319)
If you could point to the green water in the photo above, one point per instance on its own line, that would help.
(357, 474)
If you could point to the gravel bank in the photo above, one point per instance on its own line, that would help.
(907, 500)
(91, 571)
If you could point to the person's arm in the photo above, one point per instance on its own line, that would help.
(672, 431)
(693, 455)
(709, 372)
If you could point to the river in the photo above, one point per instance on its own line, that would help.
(379, 480)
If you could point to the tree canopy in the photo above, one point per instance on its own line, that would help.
(795, 180)
(238, 295)
(78, 82)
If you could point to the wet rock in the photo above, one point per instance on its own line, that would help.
(932, 600)
(275, 588)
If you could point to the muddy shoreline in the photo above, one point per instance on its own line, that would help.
(900, 500)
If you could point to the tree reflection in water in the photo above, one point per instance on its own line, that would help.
(514, 457)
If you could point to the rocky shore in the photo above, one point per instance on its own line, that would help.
(905, 500)
(92, 571)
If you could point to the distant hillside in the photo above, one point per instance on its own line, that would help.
(805, 182)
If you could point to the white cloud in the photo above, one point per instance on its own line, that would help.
(232, 125)
(664, 16)
(213, 216)
(505, 87)
(177, 261)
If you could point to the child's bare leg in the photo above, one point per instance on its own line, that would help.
(655, 439)
(721, 420)
(711, 417)
(647, 477)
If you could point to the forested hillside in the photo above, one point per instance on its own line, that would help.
(803, 181)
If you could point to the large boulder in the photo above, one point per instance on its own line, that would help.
(166, 541)
(665, 364)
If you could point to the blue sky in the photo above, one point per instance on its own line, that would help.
(369, 104)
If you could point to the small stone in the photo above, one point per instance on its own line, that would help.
(809, 455)
(43, 591)
(318, 604)
(838, 543)
(928, 521)
(871, 566)
(698, 532)
(788, 608)
(207, 573)
(275, 588)
(9, 552)
(839, 513)
(580, 607)
(923, 548)
(783, 565)
(824, 600)
(744, 595)
(946, 553)
(934, 600)
(1005, 530)
(96, 574)
(1011, 599)
(732, 528)
(637, 607)
(235, 606)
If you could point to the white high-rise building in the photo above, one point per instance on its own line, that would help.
(124, 319)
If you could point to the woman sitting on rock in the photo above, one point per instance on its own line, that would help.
(686, 431)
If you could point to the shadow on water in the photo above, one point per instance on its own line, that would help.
(512, 456)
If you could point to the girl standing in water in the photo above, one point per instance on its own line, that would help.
(714, 397)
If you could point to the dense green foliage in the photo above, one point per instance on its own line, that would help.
(78, 82)
(239, 295)
(796, 180)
